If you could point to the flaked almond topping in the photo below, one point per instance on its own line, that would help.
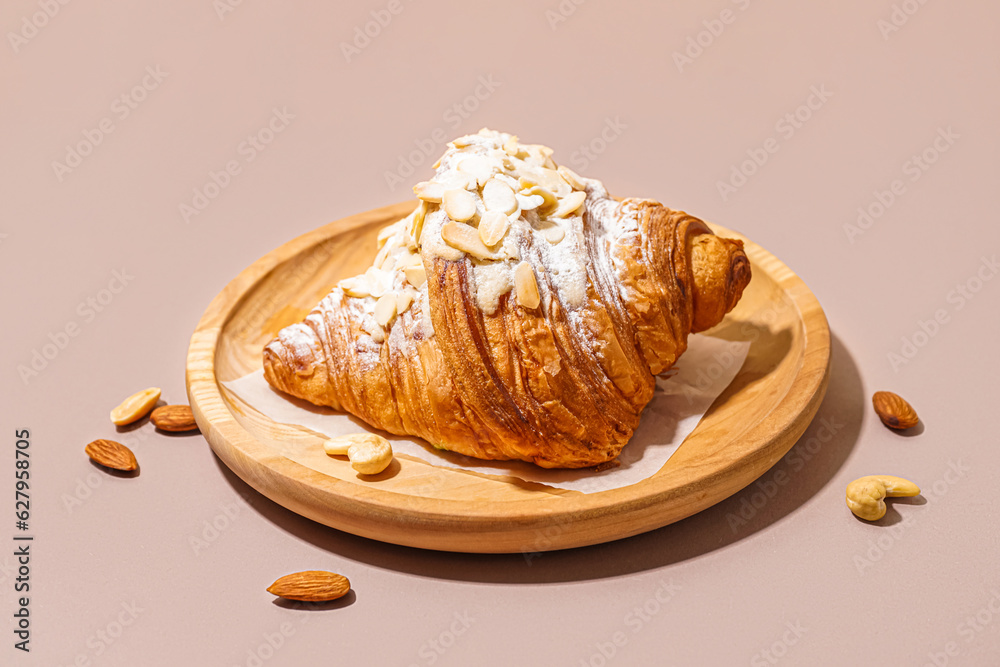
(404, 300)
(460, 205)
(429, 191)
(570, 203)
(493, 226)
(415, 275)
(498, 196)
(510, 146)
(525, 286)
(463, 141)
(357, 287)
(416, 227)
(386, 233)
(479, 167)
(408, 259)
(549, 200)
(529, 202)
(379, 281)
(553, 233)
(551, 180)
(571, 177)
(385, 309)
(466, 239)
(455, 180)
(383, 255)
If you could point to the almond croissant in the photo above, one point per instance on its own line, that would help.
(518, 313)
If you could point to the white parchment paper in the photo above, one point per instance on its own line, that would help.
(680, 401)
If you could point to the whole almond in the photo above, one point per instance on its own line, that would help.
(111, 454)
(135, 407)
(311, 586)
(173, 418)
(894, 411)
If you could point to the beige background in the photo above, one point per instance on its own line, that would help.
(118, 577)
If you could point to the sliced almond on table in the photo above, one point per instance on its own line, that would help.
(498, 196)
(111, 454)
(460, 205)
(385, 309)
(173, 418)
(311, 586)
(493, 227)
(569, 204)
(526, 286)
(135, 407)
(529, 202)
(466, 239)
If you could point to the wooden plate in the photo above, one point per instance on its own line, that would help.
(749, 427)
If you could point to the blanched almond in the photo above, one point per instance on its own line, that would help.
(569, 204)
(429, 191)
(529, 202)
(510, 146)
(526, 286)
(493, 226)
(553, 233)
(415, 275)
(385, 309)
(404, 300)
(466, 239)
(416, 227)
(479, 167)
(136, 406)
(549, 200)
(498, 196)
(571, 177)
(460, 205)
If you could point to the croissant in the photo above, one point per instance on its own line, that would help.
(518, 312)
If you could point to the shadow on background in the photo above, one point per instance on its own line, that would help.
(809, 465)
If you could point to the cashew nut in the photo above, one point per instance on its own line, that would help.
(865, 494)
(370, 454)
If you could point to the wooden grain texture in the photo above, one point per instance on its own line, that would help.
(749, 427)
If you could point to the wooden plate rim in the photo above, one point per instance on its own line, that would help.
(770, 438)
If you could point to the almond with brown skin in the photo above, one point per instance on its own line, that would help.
(894, 411)
(311, 586)
(111, 454)
(173, 418)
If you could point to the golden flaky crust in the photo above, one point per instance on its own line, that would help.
(556, 386)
